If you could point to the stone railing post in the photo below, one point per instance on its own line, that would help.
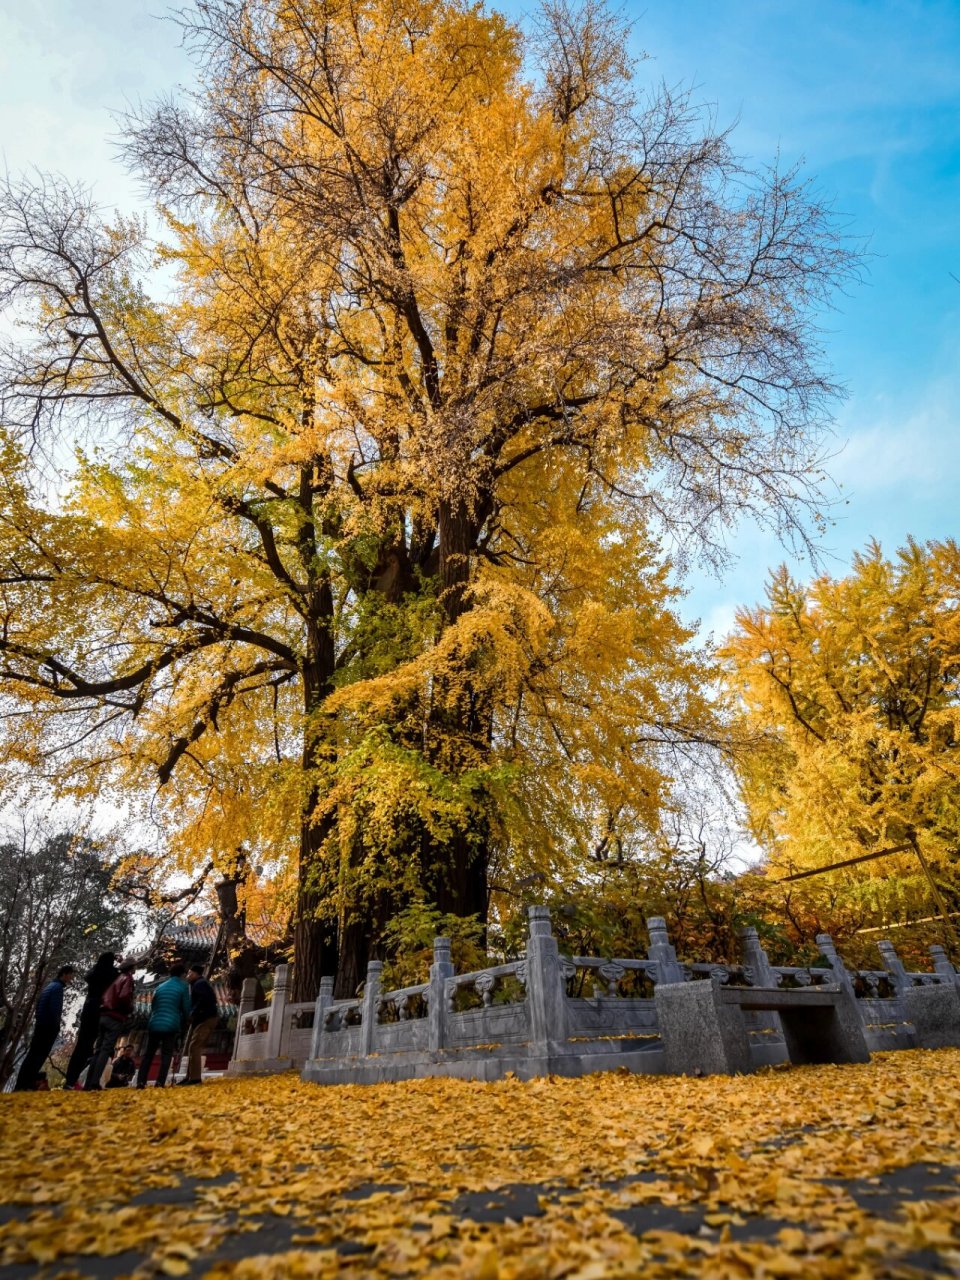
(278, 1011)
(894, 966)
(248, 999)
(669, 968)
(755, 957)
(370, 1009)
(324, 1000)
(934, 1010)
(546, 994)
(440, 971)
(830, 954)
(941, 962)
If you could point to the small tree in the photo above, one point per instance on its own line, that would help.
(55, 908)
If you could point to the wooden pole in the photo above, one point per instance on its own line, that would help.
(837, 866)
(950, 934)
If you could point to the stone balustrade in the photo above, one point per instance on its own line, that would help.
(549, 1013)
(276, 1037)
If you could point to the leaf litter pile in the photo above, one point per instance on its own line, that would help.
(830, 1171)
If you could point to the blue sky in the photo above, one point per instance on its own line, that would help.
(866, 92)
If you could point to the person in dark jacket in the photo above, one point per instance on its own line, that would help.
(103, 973)
(203, 1018)
(169, 1016)
(123, 1068)
(116, 1010)
(46, 1028)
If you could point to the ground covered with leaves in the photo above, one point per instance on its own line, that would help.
(849, 1171)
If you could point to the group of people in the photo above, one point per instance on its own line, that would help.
(184, 1003)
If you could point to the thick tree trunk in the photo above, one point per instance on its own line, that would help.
(455, 528)
(454, 872)
(460, 868)
(315, 928)
(315, 923)
(457, 869)
(355, 940)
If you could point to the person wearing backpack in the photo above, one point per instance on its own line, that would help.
(169, 1016)
(116, 1010)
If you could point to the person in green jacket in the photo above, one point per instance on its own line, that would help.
(169, 1016)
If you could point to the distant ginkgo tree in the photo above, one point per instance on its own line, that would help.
(851, 686)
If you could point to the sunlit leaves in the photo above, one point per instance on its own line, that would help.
(382, 1166)
(851, 685)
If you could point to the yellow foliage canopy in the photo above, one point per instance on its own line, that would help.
(853, 686)
(366, 571)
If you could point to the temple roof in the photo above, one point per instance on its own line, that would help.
(192, 941)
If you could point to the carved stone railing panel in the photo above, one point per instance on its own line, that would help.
(276, 1034)
(343, 1014)
(407, 1004)
(619, 978)
(500, 984)
(795, 976)
(724, 975)
(873, 984)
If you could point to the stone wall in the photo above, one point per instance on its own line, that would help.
(549, 1013)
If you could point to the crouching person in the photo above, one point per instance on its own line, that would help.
(124, 1065)
(169, 1016)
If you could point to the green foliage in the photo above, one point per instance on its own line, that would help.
(408, 944)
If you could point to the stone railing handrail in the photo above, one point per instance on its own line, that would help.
(484, 981)
(621, 962)
(505, 970)
(542, 1027)
(611, 971)
(399, 1000)
(335, 1012)
(418, 989)
(804, 975)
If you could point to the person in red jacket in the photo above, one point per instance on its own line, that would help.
(115, 1013)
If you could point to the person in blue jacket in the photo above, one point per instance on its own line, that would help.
(46, 1028)
(169, 1015)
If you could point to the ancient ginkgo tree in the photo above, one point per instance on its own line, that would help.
(360, 561)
